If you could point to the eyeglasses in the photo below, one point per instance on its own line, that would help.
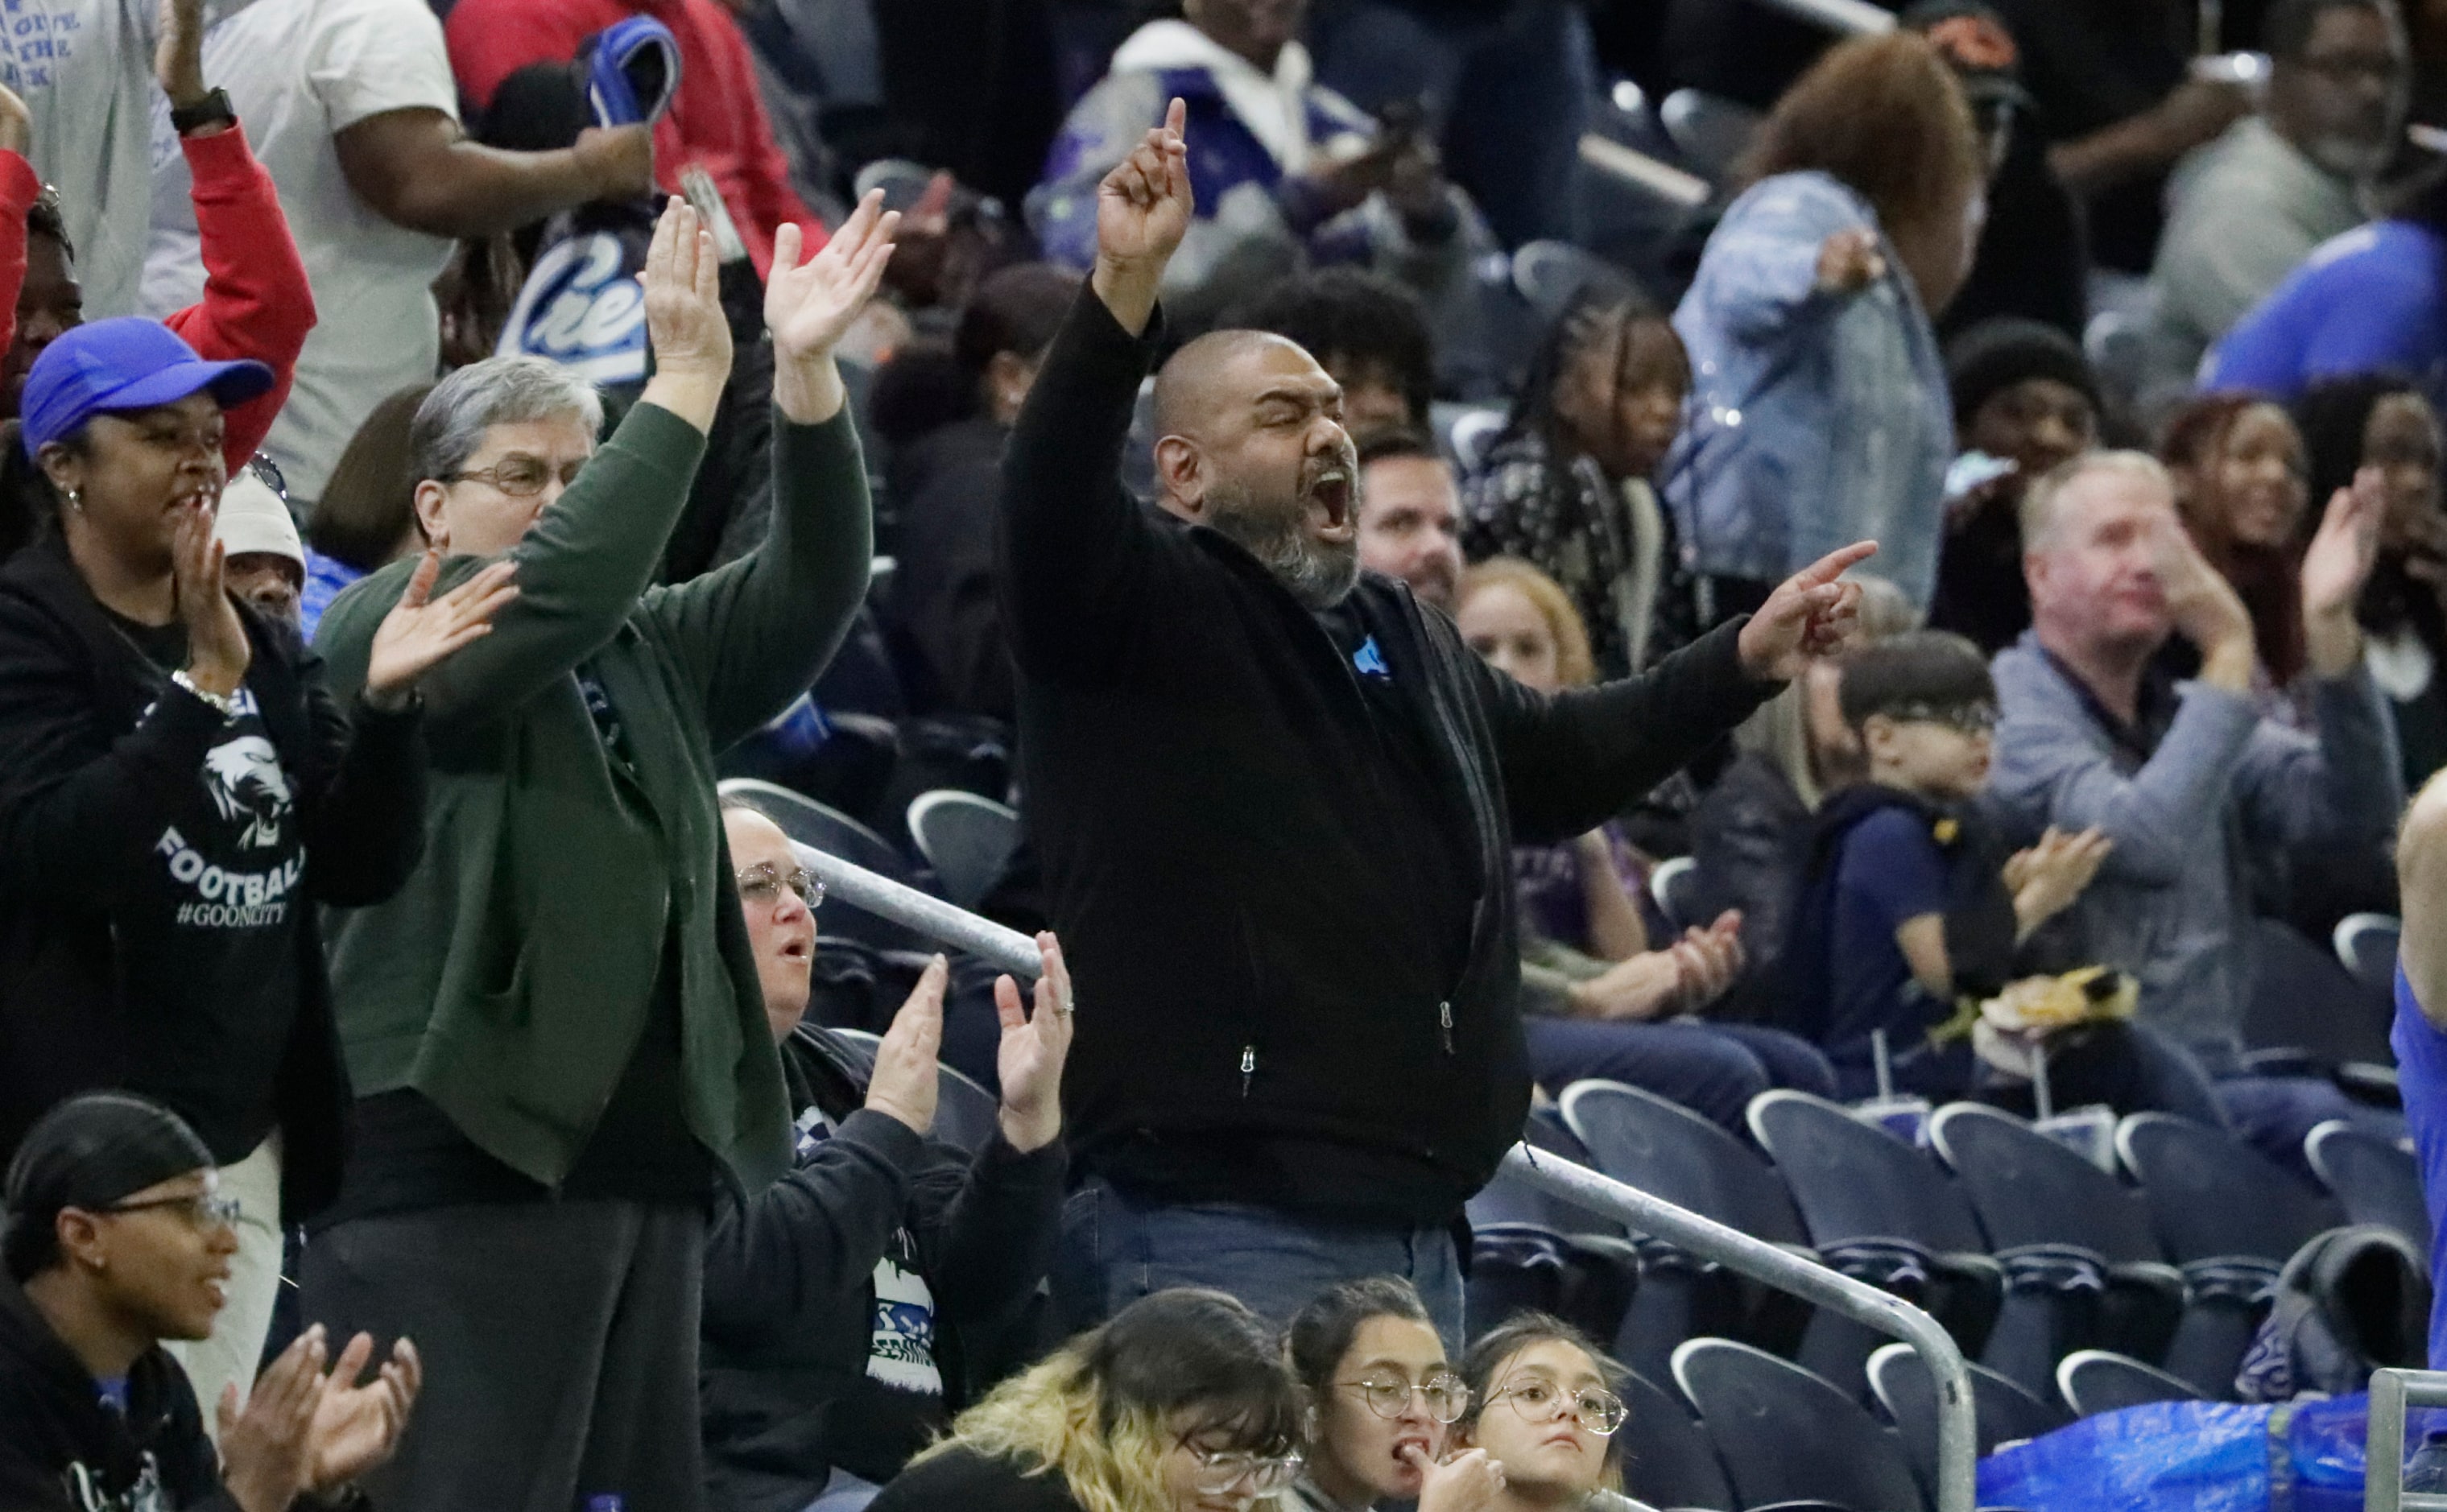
(763, 884)
(1222, 1470)
(204, 1210)
(1537, 1401)
(1446, 1397)
(519, 475)
(267, 472)
(1963, 719)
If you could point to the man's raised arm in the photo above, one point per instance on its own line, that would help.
(1074, 555)
(1572, 760)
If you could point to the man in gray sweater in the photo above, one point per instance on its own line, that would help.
(2186, 782)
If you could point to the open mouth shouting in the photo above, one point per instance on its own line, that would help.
(1330, 490)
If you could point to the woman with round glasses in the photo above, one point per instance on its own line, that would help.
(1380, 1397)
(1180, 1402)
(1543, 1405)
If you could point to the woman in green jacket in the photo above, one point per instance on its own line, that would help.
(554, 1029)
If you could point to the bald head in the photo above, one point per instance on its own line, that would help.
(1249, 440)
(1212, 372)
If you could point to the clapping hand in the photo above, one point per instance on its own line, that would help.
(217, 651)
(1143, 210)
(904, 1083)
(810, 305)
(1028, 1063)
(684, 319)
(2047, 877)
(357, 1426)
(420, 630)
(1810, 614)
(266, 1445)
(2335, 569)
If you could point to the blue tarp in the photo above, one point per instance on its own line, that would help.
(2195, 1457)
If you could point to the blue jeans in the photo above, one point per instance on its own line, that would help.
(1508, 98)
(1115, 1251)
(2275, 1114)
(1713, 1069)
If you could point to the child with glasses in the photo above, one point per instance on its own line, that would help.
(1911, 903)
(1380, 1400)
(1181, 1402)
(1541, 1404)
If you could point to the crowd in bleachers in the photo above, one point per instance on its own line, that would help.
(1834, 619)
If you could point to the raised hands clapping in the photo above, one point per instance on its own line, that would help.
(810, 305)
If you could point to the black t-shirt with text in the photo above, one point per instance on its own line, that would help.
(224, 884)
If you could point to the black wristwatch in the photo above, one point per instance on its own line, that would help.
(212, 110)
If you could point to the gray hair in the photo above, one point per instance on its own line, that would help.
(2038, 510)
(449, 426)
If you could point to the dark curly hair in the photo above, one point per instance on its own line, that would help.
(1350, 319)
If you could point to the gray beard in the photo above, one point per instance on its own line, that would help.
(1318, 576)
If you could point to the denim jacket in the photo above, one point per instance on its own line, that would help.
(1818, 420)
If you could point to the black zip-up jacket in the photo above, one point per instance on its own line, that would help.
(101, 756)
(62, 1450)
(1266, 1000)
(789, 1290)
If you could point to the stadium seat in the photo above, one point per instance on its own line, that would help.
(2096, 1381)
(966, 1114)
(1468, 432)
(967, 839)
(1710, 131)
(1507, 1198)
(1585, 1280)
(1673, 885)
(2083, 1268)
(829, 830)
(1786, 1435)
(1668, 1458)
(1880, 1211)
(1670, 1152)
(2367, 944)
(2230, 1218)
(2004, 1413)
(2376, 1179)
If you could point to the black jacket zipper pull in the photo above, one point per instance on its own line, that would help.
(1444, 1021)
(1249, 1067)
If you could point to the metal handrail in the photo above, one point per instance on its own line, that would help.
(1849, 17)
(1958, 1441)
(2391, 1393)
(1957, 1430)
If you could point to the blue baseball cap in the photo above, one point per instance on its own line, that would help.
(124, 363)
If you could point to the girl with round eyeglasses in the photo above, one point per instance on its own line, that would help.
(1543, 1403)
(1380, 1400)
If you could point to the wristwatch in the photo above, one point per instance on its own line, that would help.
(223, 703)
(214, 109)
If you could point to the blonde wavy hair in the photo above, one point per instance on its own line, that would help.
(1102, 1411)
(1574, 666)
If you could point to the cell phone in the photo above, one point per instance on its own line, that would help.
(1975, 469)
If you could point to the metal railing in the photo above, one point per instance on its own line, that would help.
(1846, 17)
(2391, 1393)
(1957, 1433)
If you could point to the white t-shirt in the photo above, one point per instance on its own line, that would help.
(298, 71)
(84, 68)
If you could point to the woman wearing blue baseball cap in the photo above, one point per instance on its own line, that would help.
(179, 790)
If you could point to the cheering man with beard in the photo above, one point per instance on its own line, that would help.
(1275, 801)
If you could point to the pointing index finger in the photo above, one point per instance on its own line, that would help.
(1176, 116)
(1833, 565)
